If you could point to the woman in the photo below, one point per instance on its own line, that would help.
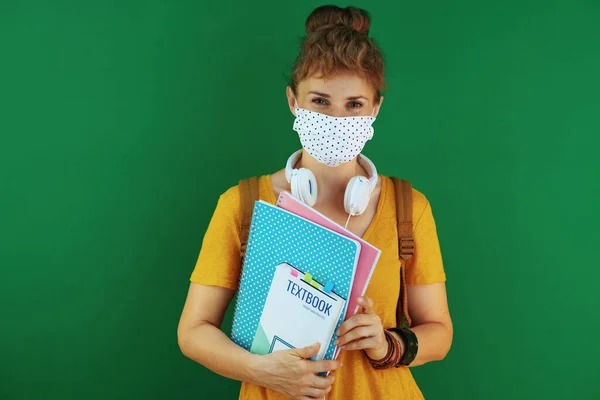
(339, 73)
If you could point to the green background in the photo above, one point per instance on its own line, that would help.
(121, 122)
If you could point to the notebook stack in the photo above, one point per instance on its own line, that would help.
(301, 278)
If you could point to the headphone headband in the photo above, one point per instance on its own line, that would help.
(364, 162)
(371, 170)
(291, 163)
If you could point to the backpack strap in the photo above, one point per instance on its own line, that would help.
(248, 195)
(406, 244)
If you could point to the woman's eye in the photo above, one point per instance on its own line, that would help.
(323, 102)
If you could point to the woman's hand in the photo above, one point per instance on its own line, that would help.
(291, 373)
(363, 331)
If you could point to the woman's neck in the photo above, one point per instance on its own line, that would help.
(332, 181)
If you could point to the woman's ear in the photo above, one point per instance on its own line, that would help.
(378, 106)
(291, 99)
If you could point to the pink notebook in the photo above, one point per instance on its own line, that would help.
(367, 259)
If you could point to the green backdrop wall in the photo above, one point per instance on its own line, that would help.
(121, 122)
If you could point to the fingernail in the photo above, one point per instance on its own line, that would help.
(338, 332)
(360, 300)
(341, 348)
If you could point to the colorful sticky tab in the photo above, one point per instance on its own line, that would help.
(308, 278)
(328, 287)
(294, 273)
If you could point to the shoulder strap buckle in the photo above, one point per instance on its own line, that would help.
(407, 247)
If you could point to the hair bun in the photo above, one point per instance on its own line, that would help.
(351, 17)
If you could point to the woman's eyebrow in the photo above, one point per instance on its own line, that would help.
(357, 97)
(320, 94)
(328, 96)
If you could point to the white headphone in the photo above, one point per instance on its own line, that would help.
(358, 191)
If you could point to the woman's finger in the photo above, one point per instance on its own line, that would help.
(354, 334)
(362, 344)
(367, 305)
(309, 398)
(322, 382)
(313, 392)
(354, 321)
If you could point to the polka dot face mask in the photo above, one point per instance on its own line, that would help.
(332, 140)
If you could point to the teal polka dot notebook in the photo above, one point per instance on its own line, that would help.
(278, 236)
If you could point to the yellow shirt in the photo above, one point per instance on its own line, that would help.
(219, 265)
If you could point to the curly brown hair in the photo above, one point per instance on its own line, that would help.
(337, 41)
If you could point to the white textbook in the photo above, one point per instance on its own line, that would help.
(298, 312)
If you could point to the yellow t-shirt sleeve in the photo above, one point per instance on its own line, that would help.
(219, 263)
(427, 265)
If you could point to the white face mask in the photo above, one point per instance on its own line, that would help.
(332, 140)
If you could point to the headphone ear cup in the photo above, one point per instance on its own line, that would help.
(357, 196)
(306, 186)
